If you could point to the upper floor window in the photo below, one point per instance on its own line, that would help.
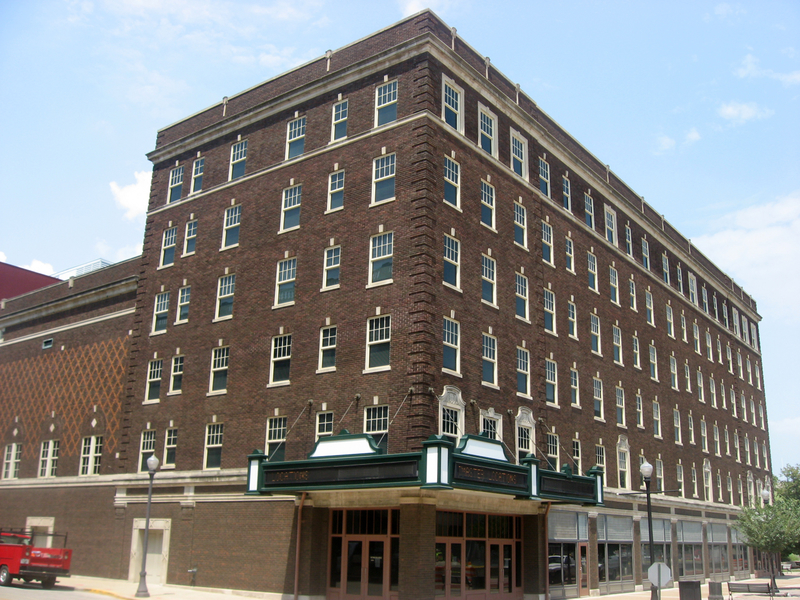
(91, 454)
(383, 179)
(381, 258)
(613, 285)
(628, 241)
(379, 342)
(339, 127)
(611, 225)
(452, 187)
(238, 160)
(646, 254)
(489, 360)
(648, 302)
(336, 191)
(544, 177)
(488, 280)
(219, 370)
(487, 130)
(520, 225)
(523, 372)
(190, 239)
(592, 269)
(290, 212)
(547, 242)
(276, 439)
(295, 137)
(588, 207)
(692, 289)
(665, 268)
(230, 233)
(213, 446)
(175, 184)
(285, 280)
(451, 347)
(569, 252)
(521, 291)
(11, 462)
(452, 251)
(386, 103)
(597, 392)
(168, 246)
(327, 349)
(281, 363)
(376, 421)
(160, 312)
(487, 204)
(549, 311)
(452, 106)
(184, 298)
(519, 154)
(566, 195)
(197, 174)
(225, 291)
(48, 458)
(330, 271)
(679, 277)
(550, 381)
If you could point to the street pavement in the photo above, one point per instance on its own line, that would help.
(789, 585)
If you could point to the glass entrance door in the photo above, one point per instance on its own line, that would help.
(583, 570)
(365, 569)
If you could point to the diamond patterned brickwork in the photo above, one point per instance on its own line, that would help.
(70, 383)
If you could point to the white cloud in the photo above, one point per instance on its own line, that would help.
(664, 144)
(2, 257)
(750, 68)
(40, 267)
(725, 10)
(133, 198)
(692, 136)
(741, 112)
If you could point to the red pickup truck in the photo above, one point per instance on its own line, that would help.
(20, 558)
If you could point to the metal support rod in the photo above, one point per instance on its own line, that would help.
(654, 591)
(142, 591)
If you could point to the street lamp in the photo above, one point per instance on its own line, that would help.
(766, 495)
(152, 465)
(646, 469)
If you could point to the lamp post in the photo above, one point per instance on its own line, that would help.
(152, 465)
(766, 495)
(646, 469)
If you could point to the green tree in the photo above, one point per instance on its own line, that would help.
(774, 528)
(789, 487)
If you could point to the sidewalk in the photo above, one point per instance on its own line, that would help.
(118, 588)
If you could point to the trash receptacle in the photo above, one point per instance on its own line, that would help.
(715, 590)
(689, 590)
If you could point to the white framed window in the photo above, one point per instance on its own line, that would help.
(684, 335)
(380, 258)
(324, 424)
(656, 419)
(574, 388)
(218, 382)
(524, 434)
(11, 461)
(632, 294)
(487, 130)
(190, 239)
(519, 154)
(719, 350)
(147, 448)
(588, 210)
(566, 194)
(451, 346)
(488, 280)
(226, 288)
(733, 403)
(611, 225)
(523, 372)
(616, 334)
(336, 191)
(276, 439)
(716, 440)
(489, 360)
(386, 103)
(168, 247)
(687, 377)
(730, 359)
(653, 364)
(648, 303)
(676, 425)
(639, 411)
(600, 456)
(703, 435)
(153, 388)
(521, 296)
(725, 314)
(623, 459)
(452, 182)
(696, 337)
(628, 241)
(91, 455)
(212, 458)
(637, 362)
(285, 276)
(230, 230)
(665, 268)
(238, 160)
(670, 322)
(161, 312)
(694, 482)
(331, 268)
(569, 251)
(290, 208)
(673, 373)
(175, 184)
(591, 261)
(491, 425)
(739, 365)
(692, 288)
(176, 377)
(712, 389)
(48, 458)
(701, 396)
(383, 178)
(451, 415)
(613, 285)
(679, 478)
(595, 333)
(487, 205)
(451, 274)
(520, 225)
(572, 320)
(597, 394)
(716, 306)
(452, 104)
(646, 254)
(376, 423)
(327, 349)
(659, 474)
(619, 395)
(547, 243)
(281, 360)
(550, 381)
(544, 177)
(339, 121)
(379, 343)
(549, 311)
(552, 451)
(690, 427)
(197, 175)
(295, 137)
(704, 297)
(758, 377)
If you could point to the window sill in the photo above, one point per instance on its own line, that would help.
(570, 271)
(176, 393)
(223, 248)
(284, 305)
(487, 303)
(596, 353)
(489, 227)
(382, 202)
(595, 290)
(525, 248)
(619, 363)
(181, 322)
(278, 384)
(490, 385)
(218, 319)
(526, 396)
(188, 254)
(600, 419)
(553, 405)
(658, 437)
(549, 332)
(217, 393)
(378, 284)
(453, 373)
(328, 289)
(160, 267)
(452, 287)
(622, 426)
(376, 369)
(155, 333)
(166, 467)
(547, 263)
(326, 370)
(453, 206)
(573, 337)
(295, 228)
(333, 210)
(615, 303)
(156, 401)
(523, 319)
(578, 406)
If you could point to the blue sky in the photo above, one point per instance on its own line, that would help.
(696, 105)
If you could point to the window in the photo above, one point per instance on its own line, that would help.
(452, 421)
(597, 392)
(324, 424)
(452, 107)
(381, 258)
(219, 370)
(679, 478)
(656, 419)
(386, 103)
(636, 357)
(703, 436)
(705, 299)
(736, 446)
(281, 359)
(665, 268)
(659, 475)
(719, 350)
(327, 349)
(628, 241)
(295, 137)
(696, 337)
(487, 205)
(730, 359)
(451, 347)
(646, 254)
(622, 466)
(175, 184)
(575, 398)
(330, 270)
(197, 175)
(11, 461)
(749, 371)
(489, 360)
(551, 382)
(572, 320)
(376, 421)
(549, 311)
(176, 380)
(648, 303)
(600, 456)
(213, 449)
(673, 373)
(487, 130)
(725, 314)
(238, 160)
(683, 329)
(544, 177)
(225, 291)
(521, 296)
(230, 234)
(670, 322)
(716, 440)
(383, 179)
(676, 424)
(687, 377)
(712, 388)
(592, 270)
(694, 482)
(48, 458)
(739, 364)
(146, 449)
(190, 239)
(168, 246)
(566, 196)
(690, 425)
(91, 453)
(154, 370)
(639, 411)
(523, 372)
(653, 364)
(284, 282)
(451, 272)
(733, 402)
(758, 377)
(569, 249)
(588, 205)
(452, 189)
(339, 121)
(595, 328)
(616, 334)
(619, 394)
(611, 225)
(521, 226)
(276, 439)
(552, 451)
(693, 289)
(488, 287)
(379, 342)
(161, 312)
(336, 191)
(613, 279)
(290, 212)
(679, 274)
(524, 441)
(519, 155)
(700, 388)
(632, 290)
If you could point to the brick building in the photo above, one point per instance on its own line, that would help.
(397, 334)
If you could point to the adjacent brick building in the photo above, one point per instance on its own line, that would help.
(395, 240)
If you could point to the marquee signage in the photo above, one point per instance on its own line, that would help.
(287, 475)
(500, 480)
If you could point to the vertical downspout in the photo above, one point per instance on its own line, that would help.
(297, 547)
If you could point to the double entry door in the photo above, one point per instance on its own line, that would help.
(478, 568)
(366, 568)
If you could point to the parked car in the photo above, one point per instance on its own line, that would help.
(20, 558)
